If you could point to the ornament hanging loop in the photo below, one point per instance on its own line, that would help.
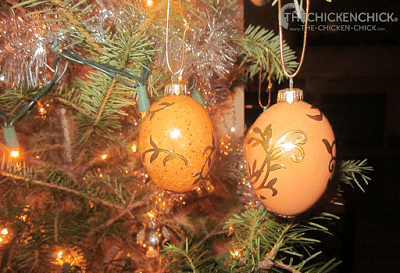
(269, 88)
(291, 76)
(186, 27)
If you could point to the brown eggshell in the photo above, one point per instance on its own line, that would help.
(290, 152)
(176, 143)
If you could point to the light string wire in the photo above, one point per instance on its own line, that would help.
(182, 57)
(9, 122)
(70, 56)
(109, 69)
(294, 74)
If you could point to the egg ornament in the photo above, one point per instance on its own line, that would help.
(176, 141)
(290, 154)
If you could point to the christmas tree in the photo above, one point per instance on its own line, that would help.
(77, 81)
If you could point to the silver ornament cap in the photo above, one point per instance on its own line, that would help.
(175, 89)
(290, 95)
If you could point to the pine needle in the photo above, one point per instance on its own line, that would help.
(259, 44)
(352, 170)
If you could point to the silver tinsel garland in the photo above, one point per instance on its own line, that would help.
(23, 52)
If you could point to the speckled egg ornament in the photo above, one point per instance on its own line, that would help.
(176, 141)
(290, 152)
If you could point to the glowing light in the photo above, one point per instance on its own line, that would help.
(149, 3)
(4, 231)
(288, 146)
(150, 214)
(233, 129)
(235, 253)
(174, 134)
(14, 153)
(153, 239)
(104, 156)
(67, 255)
(289, 97)
(134, 147)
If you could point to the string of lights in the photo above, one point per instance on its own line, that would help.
(10, 135)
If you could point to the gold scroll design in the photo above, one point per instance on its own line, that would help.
(151, 113)
(155, 150)
(329, 149)
(207, 163)
(318, 117)
(289, 143)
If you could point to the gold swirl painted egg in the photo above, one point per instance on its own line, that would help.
(176, 143)
(290, 153)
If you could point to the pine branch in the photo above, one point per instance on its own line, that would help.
(77, 24)
(208, 236)
(185, 257)
(104, 98)
(96, 107)
(89, 130)
(120, 214)
(258, 45)
(280, 239)
(13, 100)
(61, 188)
(103, 104)
(71, 15)
(67, 135)
(70, 104)
(268, 262)
(350, 169)
(13, 3)
(150, 18)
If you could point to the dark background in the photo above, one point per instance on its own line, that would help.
(354, 78)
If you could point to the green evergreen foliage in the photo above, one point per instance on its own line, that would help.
(62, 195)
(260, 51)
(350, 169)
